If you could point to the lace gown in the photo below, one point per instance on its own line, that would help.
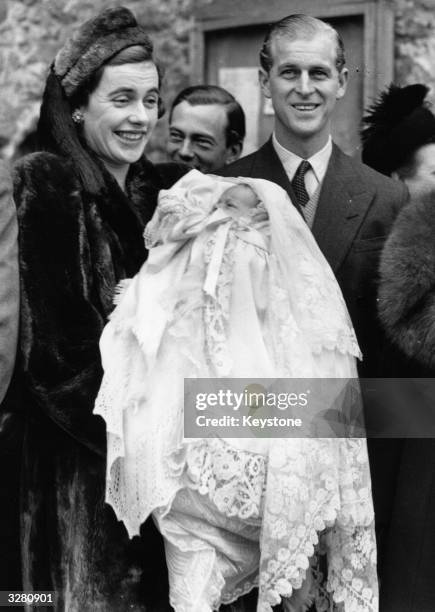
(235, 513)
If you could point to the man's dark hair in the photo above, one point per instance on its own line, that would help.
(212, 94)
(299, 26)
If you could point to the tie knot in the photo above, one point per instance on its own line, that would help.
(303, 168)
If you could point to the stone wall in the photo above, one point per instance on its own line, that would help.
(415, 43)
(31, 31)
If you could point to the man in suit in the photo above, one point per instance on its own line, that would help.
(206, 128)
(349, 207)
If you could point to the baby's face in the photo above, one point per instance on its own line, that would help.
(238, 201)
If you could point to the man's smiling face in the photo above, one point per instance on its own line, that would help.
(304, 85)
(198, 137)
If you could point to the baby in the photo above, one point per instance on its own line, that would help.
(177, 222)
(240, 202)
(223, 294)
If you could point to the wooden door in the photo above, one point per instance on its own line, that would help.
(229, 38)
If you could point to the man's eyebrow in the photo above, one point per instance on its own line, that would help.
(202, 135)
(194, 135)
(296, 66)
(121, 90)
(126, 89)
(287, 65)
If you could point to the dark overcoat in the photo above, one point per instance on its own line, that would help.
(74, 248)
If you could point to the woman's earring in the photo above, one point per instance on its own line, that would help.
(77, 116)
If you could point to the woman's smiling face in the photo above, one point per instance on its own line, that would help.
(121, 113)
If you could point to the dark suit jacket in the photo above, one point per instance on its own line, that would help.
(356, 209)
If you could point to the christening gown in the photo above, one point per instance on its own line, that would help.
(220, 298)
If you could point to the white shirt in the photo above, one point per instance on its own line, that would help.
(319, 163)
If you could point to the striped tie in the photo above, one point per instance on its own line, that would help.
(298, 183)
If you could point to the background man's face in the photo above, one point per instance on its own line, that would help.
(304, 84)
(197, 136)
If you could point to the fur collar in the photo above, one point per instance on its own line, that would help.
(407, 281)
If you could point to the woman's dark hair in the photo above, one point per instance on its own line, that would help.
(56, 131)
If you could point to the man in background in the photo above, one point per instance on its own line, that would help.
(206, 128)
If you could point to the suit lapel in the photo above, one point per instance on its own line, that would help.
(343, 204)
(268, 165)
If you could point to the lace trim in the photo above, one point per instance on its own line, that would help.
(239, 592)
(216, 309)
(305, 472)
(297, 514)
(214, 583)
(314, 280)
(199, 582)
(213, 594)
(171, 208)
(234, 480)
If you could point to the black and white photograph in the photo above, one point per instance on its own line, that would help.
(217, 305)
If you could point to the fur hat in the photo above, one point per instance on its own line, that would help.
(396, 125)
(94, 43)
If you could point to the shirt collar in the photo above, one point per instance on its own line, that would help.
(319, 161)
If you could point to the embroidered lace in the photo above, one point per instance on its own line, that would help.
(304, 503)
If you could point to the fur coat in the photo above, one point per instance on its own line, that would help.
(407, 284)
(74, 248)
(407, 311)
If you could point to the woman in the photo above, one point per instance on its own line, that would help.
(83, 202)
(399, 140)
